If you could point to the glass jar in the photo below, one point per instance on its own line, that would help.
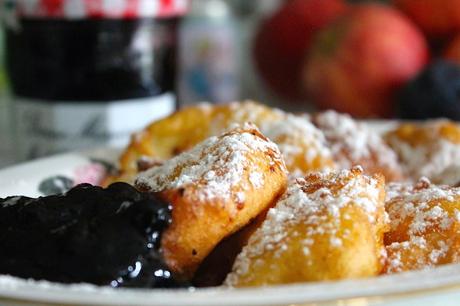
(89, 73)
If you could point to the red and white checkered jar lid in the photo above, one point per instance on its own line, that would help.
(85, 9)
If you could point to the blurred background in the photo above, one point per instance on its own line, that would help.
(76, 74)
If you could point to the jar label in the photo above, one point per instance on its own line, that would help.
(93, 9)
(44, 128)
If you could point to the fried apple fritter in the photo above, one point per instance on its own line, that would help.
(427, 149)
(325, 227)
(425, 226)
(302, 145)
(215, 189)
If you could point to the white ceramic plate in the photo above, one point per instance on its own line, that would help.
(440, 286)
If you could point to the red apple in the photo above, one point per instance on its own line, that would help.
(452, 52)
(282, 40)
(435, 17)
(356, 64)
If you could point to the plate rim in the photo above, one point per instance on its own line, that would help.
(412, 283)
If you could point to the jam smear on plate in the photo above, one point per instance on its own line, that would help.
(89, 234)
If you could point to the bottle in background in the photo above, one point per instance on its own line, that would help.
(6, 156)
(89, 73)
(208, 60)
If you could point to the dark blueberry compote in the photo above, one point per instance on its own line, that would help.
(89, 234)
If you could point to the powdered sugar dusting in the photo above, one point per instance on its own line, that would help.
(353, 143)
(217, 165)
(429, 161)
(250, 111)
(396, 263)
(432, 157)
(297, 139)
(302, 145)
(416, 211)
(311, 201)
(256, 179)
(419, 201)
(240, 112)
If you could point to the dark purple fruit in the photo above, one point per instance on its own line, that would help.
(434, 93)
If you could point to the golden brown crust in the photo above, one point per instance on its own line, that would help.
(425, 226)
(302, 145)
(168, 137)
(427, 149)
(165, 138)
(325, 227)
(201, 221)
(215, 189)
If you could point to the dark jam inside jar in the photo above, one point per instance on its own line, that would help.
(92, 59)
(87, 81)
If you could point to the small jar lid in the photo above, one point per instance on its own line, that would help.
(98, 9)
